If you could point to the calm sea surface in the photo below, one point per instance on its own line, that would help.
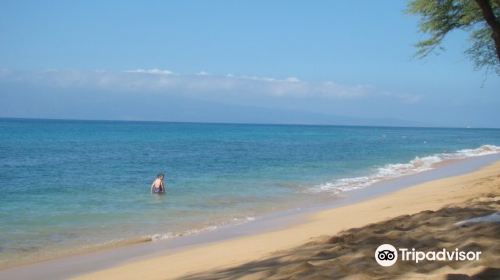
(73, 185)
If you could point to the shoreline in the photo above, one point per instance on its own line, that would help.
(251, 232)
(229, 253)
(418, 170)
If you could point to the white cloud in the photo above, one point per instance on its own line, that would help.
(292, 79)
(154, 71)
(200, 84)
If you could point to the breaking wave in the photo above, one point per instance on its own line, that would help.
(390, 171)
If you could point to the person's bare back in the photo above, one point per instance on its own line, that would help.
(157, 186)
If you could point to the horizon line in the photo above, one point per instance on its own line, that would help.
(243, 123)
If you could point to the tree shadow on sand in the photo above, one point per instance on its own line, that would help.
(350, 254)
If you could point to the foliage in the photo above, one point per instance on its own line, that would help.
(439, 17)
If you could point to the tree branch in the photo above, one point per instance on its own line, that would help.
(492, 21)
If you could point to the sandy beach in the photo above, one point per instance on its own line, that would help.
(341, 242)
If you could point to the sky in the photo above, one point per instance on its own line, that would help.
(306, 62)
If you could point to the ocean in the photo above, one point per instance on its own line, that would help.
(74, 186)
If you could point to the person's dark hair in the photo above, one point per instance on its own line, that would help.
(160, 175)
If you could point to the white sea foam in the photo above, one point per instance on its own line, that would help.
(170, 235)
(390, 171)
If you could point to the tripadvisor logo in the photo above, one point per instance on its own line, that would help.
(387, 255)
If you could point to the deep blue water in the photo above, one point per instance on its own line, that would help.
(76, 184)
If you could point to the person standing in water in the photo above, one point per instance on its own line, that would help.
(158, 186)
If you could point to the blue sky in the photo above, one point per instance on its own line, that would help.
(235, 61)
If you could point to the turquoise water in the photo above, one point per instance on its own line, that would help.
(73, 185)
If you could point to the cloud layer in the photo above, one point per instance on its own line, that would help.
(202, 84)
